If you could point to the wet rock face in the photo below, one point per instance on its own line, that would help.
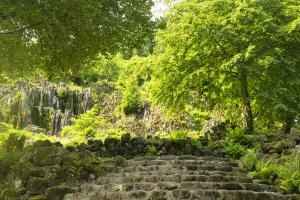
(44, 108)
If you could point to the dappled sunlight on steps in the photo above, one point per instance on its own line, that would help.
(178, 177)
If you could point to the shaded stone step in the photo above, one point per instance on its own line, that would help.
(174, 172)
(179, 168)
(185, 157)
(216, 178)
(132, 163)
(193, 185)
(180, 194)
(190, 185)
(172, 178)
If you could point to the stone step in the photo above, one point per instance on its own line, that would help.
(174, 172)
(180, 194)
(178, 168)
(191, 185)
(178, 178)
(123, 178)
(132, 163)
(184, 157)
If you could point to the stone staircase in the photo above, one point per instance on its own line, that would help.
(176, 178)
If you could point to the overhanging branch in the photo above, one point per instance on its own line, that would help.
(20, 29)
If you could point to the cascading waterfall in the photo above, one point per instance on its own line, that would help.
(48, 106)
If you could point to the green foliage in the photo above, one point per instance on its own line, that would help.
(263, 131)
(152, 151)
(228, 147)
(289, 174)
(14, 142)
(240, 136)
(101, 69)
(249, 160)
(179, 134)
(59, 37)
(86, 124)
(7, 160)
(284, 171)
(77, 166)
(234, 144)
(199, 117)
(215, 145)
(61, 92)
(137, 178)
(133, 83)
(278, 147)
(131, 101)
(265, 170)
(4, 127)
(221, 54)
(196, 143)
(234, 150)
(11, 136)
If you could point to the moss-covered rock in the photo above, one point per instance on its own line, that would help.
(289, 144)
(58, 192)
(278, 147)
(19, 175)
(36, 186)
(55, 175)
(37, 197)
(47, 156)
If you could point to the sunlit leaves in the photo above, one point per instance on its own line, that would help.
(60, 36)
(206, 45)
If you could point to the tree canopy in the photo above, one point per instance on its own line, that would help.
(241, 55)
(61, 35)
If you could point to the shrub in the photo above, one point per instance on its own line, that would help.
(278, 147)
(179, 134)
(7, 160)
(151, 150)
(131, 100)
(289, 174)
(238, 135)
(112, 133)
(86, 125)
(266, 171)
(14, 142)
(264, 131)
(249, 160)
(197, 144)
(234, 150)
(61, 92)
(215, 145)
(3, 126)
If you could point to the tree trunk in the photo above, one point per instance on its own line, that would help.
(245, 96)
(289, 122)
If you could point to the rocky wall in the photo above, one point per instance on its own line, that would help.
(45, 107)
